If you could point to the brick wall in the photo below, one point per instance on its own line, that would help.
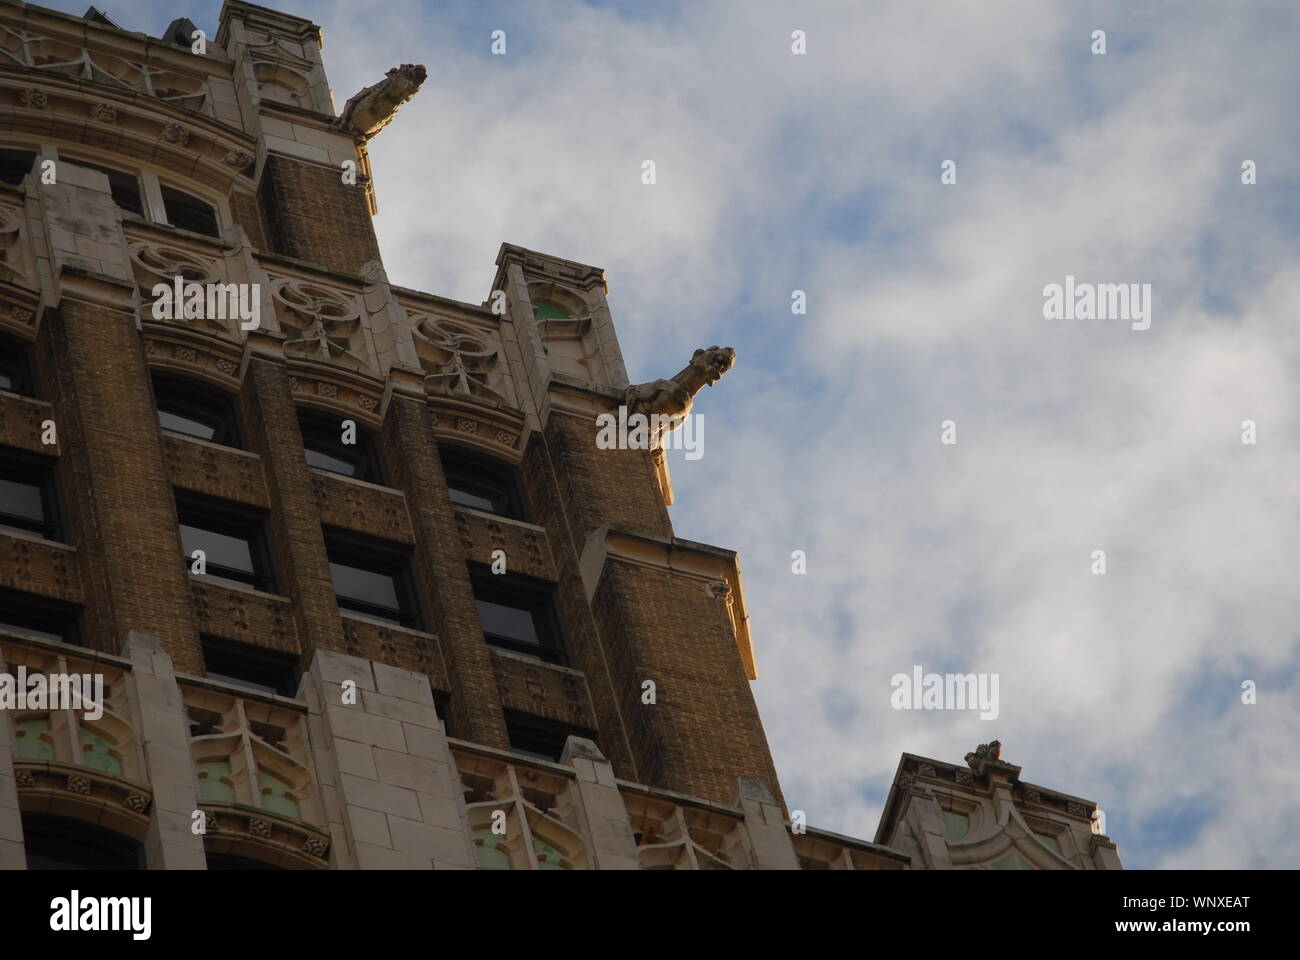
(312, 215)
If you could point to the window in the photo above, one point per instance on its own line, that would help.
(29, 616)
(124, 186)
(518, 615)
(62, 843)
(16, 164)
(15, 366)
(372, 580)
(322, 439)
(232, 538)
(188, 212)
(545, 310)
(27, 500)
(251, 667)
(196, 410)
(140, 194)
(535, 737)
(482, 484)
(226, 861)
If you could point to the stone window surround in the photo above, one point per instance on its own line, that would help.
(150, 182)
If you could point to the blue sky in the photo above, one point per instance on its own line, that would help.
(821, 173)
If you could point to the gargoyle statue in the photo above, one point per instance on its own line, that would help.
(374, 107)
(674, 398)
(984, 753)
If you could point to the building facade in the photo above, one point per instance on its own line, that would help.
(362, 589)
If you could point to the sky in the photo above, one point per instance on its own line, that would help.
(821, 172)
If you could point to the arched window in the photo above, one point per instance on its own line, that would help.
(225, 861)
(61, 843)
(195, 409)
(481, 483)
(545, 310)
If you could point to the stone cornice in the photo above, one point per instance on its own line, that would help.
(539, 265)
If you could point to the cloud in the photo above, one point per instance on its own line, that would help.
(925, 304)
(821, 173)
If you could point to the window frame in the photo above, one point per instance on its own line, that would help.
(314, 426)
(518, 722)
(234, 653)
(53, 835)
(64, 618)
(109, 170)
(387, 558)
(463, 470)
(37, 471)
(5, 153)
(16, 356)
(187, 395)
(153, 202)
(223, 517)
(537, 597)
(164, 187)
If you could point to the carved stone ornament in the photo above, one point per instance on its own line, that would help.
(984, 754)
(374, 107)
(31, 97)
(173, 132)
(103, 112)
(79, 784)
(458, 360)
(316, 847)
(238, 159)
(259, 827)
(674, 398)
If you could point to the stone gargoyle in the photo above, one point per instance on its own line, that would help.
(374, 107)
(674, 398)
(984, 754)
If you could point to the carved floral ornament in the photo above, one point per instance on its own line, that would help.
(457, 359)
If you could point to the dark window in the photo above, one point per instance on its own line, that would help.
(226, 861)
(196, 410)
(372, 580)
(518, 615)
(62, 843)
(15, 164)
(27, 499)
(232, 539)
(322, 439)
(125, 187)
(252, 667)
(535, 737)
(189, 212)
(481, 483)
(15, 366)
(442, 706)
(36, 617)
